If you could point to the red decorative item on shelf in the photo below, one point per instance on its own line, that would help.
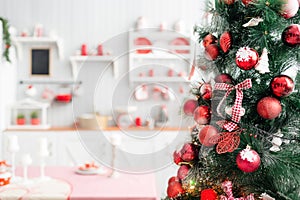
(246, 58)
(289, 8)
(138, 122)
(189, 107)
(84, 51)
(188, 152)
(206, 133)
(205, 91)
(143, 41)
(224, 78)
(225, 41)
(282, 86)
(269, 108)
(182, 42)
(20, 121)
(99, 50)
(291, 35)
(202, 115)
(212, 52)
(183, 171)
(177, 157)
(174, 190)
(65, 98)
(209, 39)
(208, 194)
(248, 160)
(35, 121)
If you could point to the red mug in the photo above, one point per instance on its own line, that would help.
(138, 121)
(100, 50)
(83, 50)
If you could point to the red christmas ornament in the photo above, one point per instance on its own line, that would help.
(183, 171)
(248, 160)
(206, 133)
(246, 2)
(206, 91)
(177, 157)
(173, 179)
(202, 115)
(246, 58)
(225, 41)
(175, 189)
(290, 8)
(209, 39)
(282, 86)
(229, 2)
(291, 35)
(189, 107)
(208, 194)
(188, 152)
(269, 108)
(212, 52)
(223, 78)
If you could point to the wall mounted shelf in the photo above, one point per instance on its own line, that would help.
(76, 61)
(20, 41)
(51, 82)
(160, 79)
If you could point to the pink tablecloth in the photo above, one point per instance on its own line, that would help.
(100, 187)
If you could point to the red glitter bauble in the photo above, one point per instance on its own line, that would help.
(246, 58)
(282, 86)
(189, 107)
(209, 39)
(206, 91)
(269, 108)
(212, 52)
(248, 160)
(173, 179)
(246, 2)
(188, 152)
(289, 8)
(225, 41)
(177, 157)
(174, 190)
(202, 115)
(183, 171)
(291, 35)
(206, 133)
(223, 78)
(208, 194)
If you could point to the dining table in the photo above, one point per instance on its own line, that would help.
(63, 182)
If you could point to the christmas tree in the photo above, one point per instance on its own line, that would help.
(245, 143)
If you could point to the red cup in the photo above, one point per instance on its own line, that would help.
(83, 50)
(151, 73)
(170, 73)
(138, 121)
(100, 50)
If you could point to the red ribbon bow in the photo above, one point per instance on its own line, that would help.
(236, 109)
(227, 187)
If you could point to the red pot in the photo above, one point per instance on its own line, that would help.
(35, 121)
(21, 121)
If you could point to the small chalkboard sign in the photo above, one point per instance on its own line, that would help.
(40, 61)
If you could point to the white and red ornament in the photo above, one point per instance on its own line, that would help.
(290, 8)
(227, 187)
(209, 39)
(225, 41)
(262, 65)
(282, 86)
(276, 142)
(202, 115)
(269, 108)
(206, 91)
(246, 58)
(206, 133)
(247, 2)
(190, 106)
(212, 52)
(248, 160)
(291, 35)
(253, 22)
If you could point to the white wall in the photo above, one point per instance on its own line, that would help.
(91, 22)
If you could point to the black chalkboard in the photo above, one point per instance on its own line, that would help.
(40, 61)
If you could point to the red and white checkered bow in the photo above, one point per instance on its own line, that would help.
(236, 109)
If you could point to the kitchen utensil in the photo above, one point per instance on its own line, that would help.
(142, 41)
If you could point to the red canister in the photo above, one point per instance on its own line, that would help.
(138, 121)
(83, 49)
(100, 50)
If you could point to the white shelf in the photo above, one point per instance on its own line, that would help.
(159, 56)
(79, 59)
(19, 41)
(29, 127)
(160, 79)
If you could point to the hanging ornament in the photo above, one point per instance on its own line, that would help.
(229, 2)
(290, 8)
(174, 190)
(246, 58)
(269, 108)
(188, 152)
(173, 179)
(225, 41)
(226, 141)
(183, 171)
(291, 35)
(206, 133)
(212, 52)
(208, 194)
(177, 157)
(276, 142)
(189, 107)
(228, 110)
(209, 39)
(224, 78)
(227, 187)
(282, 86)
(262, 65)
(265, 196)
(205, 91)
(253, 22)
(202, 115)
(248, 160)
(246, 2)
